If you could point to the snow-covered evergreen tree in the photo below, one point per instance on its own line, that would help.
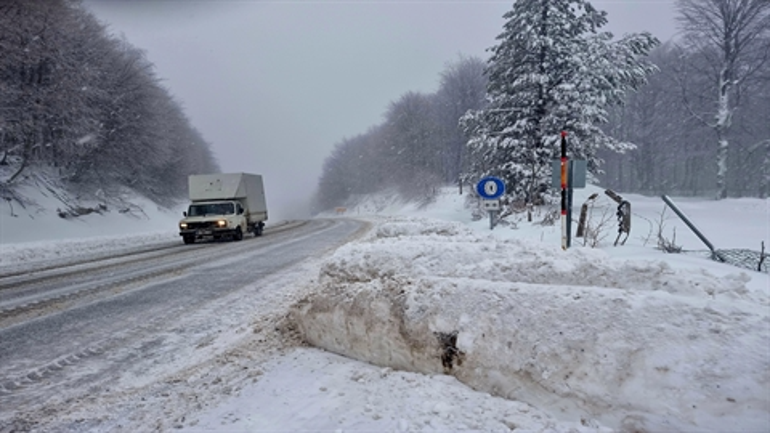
(552, 71)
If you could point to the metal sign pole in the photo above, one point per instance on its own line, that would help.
(491, 220)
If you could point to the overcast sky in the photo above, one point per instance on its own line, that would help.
(274, 85)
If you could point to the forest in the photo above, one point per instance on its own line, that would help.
(85, 108)
(690, 117)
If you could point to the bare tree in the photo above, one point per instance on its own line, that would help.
(75, 98)
(463, 88)
(670, 155)
(732, 37)
(35, 75)
(412, 147)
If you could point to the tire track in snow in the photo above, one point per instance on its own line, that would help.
(38, 273)
(67, 285)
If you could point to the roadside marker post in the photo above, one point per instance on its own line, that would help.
(567, 174)
(564, 227)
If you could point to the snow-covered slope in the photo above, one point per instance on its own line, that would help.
(47, 215)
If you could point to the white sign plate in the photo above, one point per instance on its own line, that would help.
(491, 204)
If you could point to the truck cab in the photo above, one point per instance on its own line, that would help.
(224, 206)
(215, 220)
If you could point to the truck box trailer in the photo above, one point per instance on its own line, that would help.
(224, 205)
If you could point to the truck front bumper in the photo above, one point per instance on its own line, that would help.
(211, 233)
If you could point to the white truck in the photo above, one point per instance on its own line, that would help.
(224, 206)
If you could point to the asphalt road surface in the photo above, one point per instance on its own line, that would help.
(84, 325)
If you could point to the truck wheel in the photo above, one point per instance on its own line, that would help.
(238, 236)
(188, 239)
(258, 229)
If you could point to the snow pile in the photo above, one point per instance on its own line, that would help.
(634, 345)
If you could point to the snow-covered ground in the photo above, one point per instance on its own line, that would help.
(534, 338)
(116, 218)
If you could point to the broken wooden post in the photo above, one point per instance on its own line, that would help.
(581, 229)
(624, 216)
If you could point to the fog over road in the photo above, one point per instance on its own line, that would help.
(85, 326)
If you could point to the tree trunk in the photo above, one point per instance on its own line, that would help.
(24, 161)
(540, 112)
(764, 187)
(721, 167)
(721, 127)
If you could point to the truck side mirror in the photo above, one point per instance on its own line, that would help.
(184, 214)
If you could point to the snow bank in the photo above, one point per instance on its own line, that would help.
(636, 345)
(49, 252)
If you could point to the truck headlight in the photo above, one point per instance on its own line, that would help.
(221, 223)
(183, 225)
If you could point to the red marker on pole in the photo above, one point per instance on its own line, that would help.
(564, 190)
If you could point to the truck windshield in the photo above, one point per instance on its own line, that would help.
(211, 209)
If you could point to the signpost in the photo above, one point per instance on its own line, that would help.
(491, 189)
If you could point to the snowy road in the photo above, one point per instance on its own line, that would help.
(74, 329)
(33, 286)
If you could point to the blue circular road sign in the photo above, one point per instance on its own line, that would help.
(490, 188)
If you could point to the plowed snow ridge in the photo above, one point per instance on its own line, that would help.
(636, 345)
